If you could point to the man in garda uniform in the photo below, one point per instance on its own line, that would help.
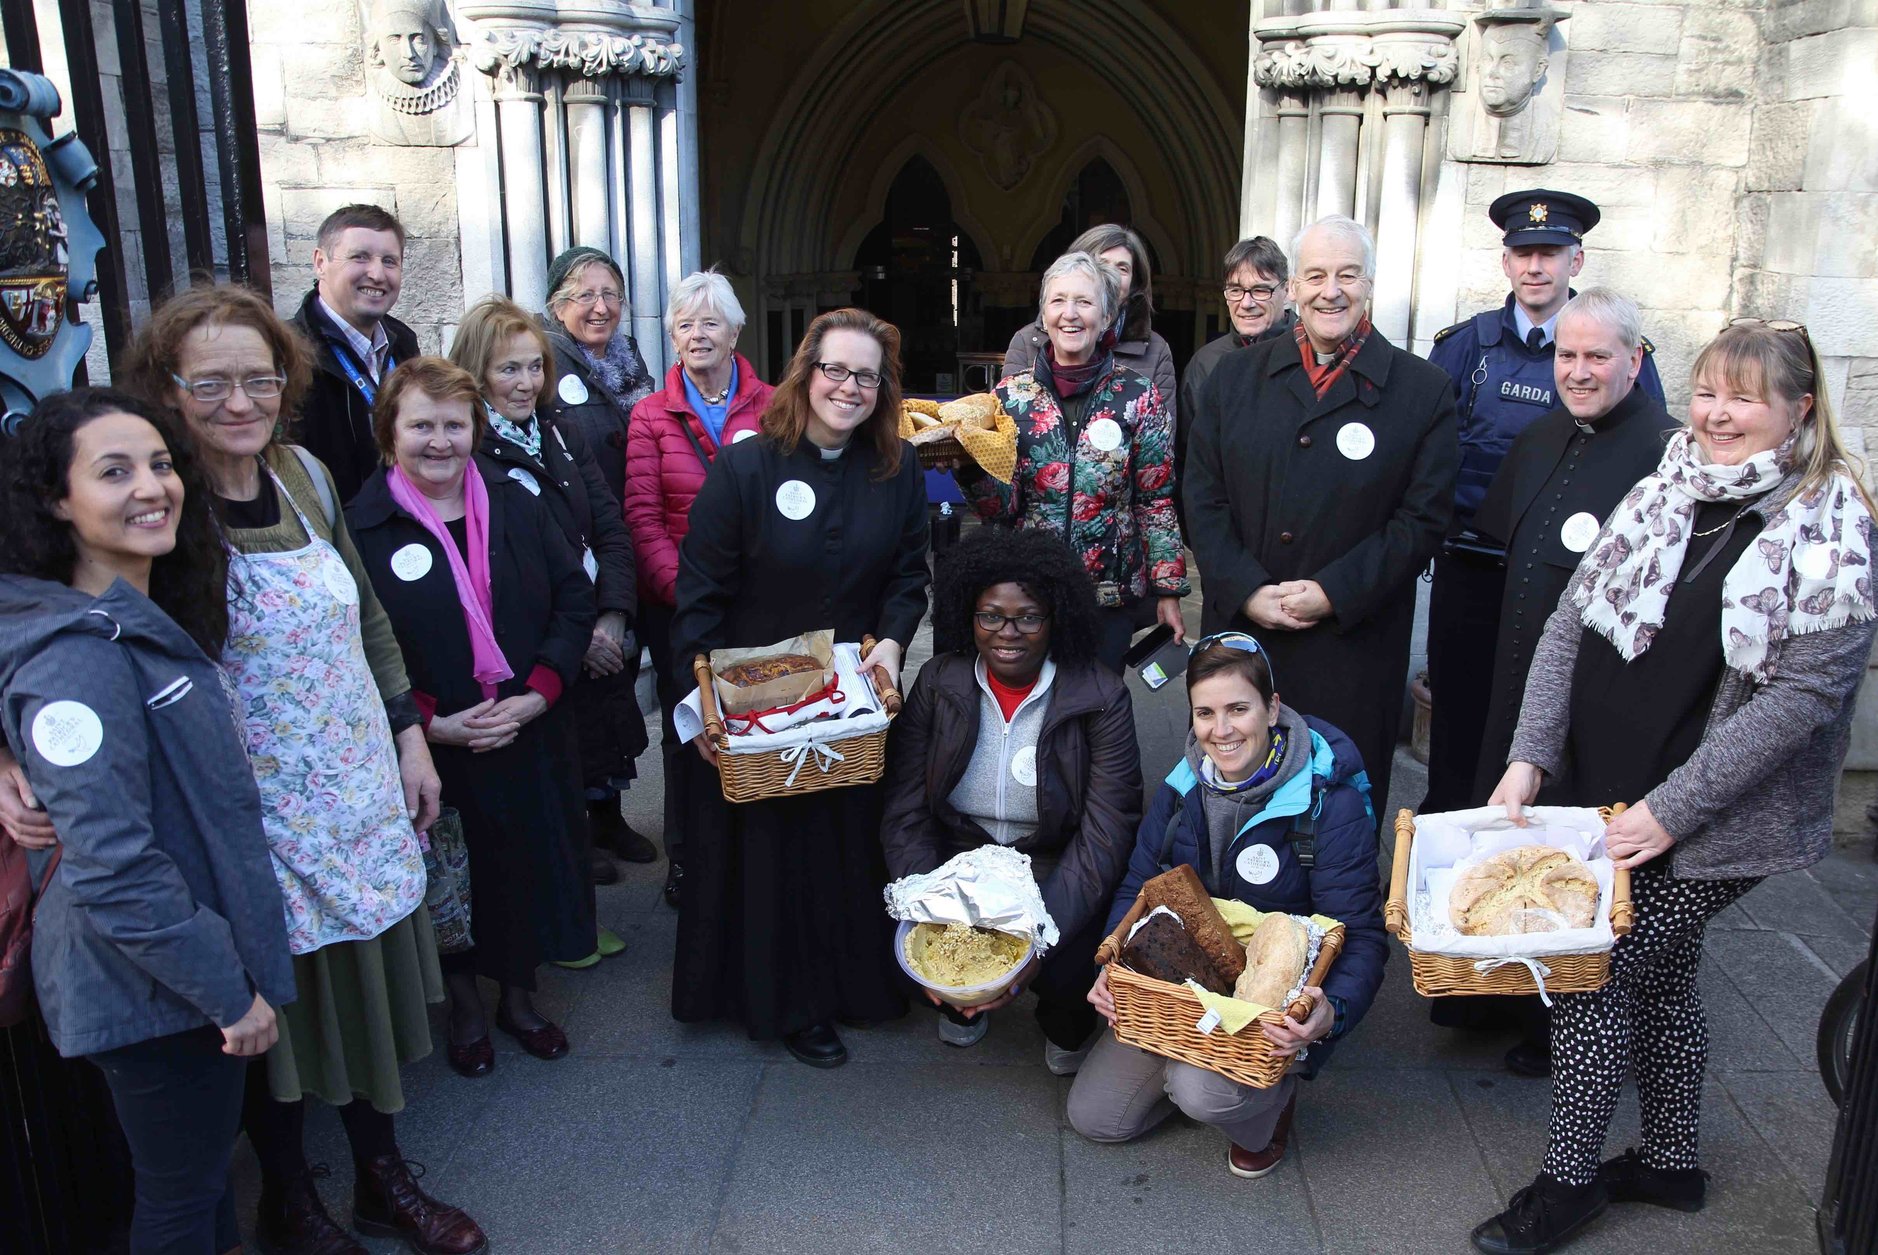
(358, 269)
(1253, 282)
(1501, 365)
(1562, 478)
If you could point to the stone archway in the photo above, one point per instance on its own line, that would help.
(795, 242)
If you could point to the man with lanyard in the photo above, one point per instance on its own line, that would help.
(1501, 365)
(358, 270)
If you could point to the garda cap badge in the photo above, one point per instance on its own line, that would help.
(1537, 212)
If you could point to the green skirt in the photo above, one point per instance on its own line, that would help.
(362, 1011)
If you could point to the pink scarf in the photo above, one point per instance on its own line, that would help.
(472, 581)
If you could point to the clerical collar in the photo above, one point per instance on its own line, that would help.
(373, 351)
(1616, 414)
(829, 455)
(1525, 325)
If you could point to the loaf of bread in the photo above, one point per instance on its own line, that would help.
(920, 405)
(1528, 888)
(755, 671)
(1163, 949)
(979, 410)
(1274, 961)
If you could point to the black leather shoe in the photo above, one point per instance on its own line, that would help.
(818, 1047)
(612, 832)
(1627, 1179)
(602, 869)
(1530, 1058)
(546, 1042)
(674, 884)
(1541, 1217)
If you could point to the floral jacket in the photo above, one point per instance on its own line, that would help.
(1106, 485)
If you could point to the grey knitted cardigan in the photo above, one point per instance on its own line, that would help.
(1756, 796)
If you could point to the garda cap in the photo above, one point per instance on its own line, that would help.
(1542, 216)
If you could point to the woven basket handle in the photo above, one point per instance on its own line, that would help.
(877, 676)
(707, 702)
(1623, 911)
(1395, 912)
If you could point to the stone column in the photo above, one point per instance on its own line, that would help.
(1408, 67)
(524, 197)
(587, 108)
(1339, 127)
(642, 173)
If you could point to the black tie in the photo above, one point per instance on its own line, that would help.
(1535, 339)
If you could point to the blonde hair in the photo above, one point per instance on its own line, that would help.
(488, 326)
(1779, 359)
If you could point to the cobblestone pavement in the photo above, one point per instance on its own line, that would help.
(655, 1136)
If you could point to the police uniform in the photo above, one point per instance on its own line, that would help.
(1501, 366)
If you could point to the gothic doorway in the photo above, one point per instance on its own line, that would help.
(916, 269)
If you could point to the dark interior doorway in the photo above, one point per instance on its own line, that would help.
(916, 272)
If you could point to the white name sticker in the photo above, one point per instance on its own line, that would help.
(742, 436)
(1105, 434)
(339, 581)
(795, 500)
(1355, 441)
(1813, 561)
(526, 479)
(572, 390)
(1024, 766)
(1579, 531)
(589, 564)
(411, 562)
(67, 733)
(1257, 864)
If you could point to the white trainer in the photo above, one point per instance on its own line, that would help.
(1063, 1062)
(963, 1035)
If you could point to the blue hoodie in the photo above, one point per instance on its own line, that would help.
(1345, 882)
(164, 914)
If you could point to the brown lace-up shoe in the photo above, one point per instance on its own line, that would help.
(387, 1203)
(292, 1221)
(1252, 1164)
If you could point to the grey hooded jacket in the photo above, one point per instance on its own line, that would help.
(164, 914)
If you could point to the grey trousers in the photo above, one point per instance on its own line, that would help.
(1122, 1092)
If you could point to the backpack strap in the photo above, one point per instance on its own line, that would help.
(1303, 834)
(1168, 834)
(317, 473)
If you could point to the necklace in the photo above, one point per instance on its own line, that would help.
(716, 398)
(1725, 523)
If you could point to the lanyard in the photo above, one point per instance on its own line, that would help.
(360, 380)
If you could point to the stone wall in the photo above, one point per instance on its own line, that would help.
(317, 154)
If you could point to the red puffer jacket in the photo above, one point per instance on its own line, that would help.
(664, 471)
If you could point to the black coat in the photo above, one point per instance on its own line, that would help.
(524, 817)
(577, 496)
(1554, 471)
(1088, 782)
(335, 423)
(1270, 498)
(602, 425)
(856, 563)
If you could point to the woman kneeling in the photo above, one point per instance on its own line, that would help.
(1270, 808)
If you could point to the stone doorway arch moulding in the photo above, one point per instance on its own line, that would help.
(787, 225)
(1346, 115)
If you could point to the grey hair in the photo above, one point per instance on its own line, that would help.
(1344, 227)
(1108, 281)
(571, 284)
(1611, 308)
(705, 289)
(1259, 252)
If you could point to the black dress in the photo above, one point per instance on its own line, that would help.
(1632, 723)
(524, 817)
(782, 926)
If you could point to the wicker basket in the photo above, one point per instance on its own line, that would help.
(755, 777)
(1445, 975)
(1160, 1018)
(933, 453)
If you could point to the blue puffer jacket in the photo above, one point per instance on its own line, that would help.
(1343, 883)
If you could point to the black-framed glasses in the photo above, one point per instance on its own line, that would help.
(992, 621)
(1260, 292)
(254, 387)
(837, 373)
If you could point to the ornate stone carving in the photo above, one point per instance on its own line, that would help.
(1008, 125)
(591, 54)
(1346, 61)
(1512, 114)
(414, 74)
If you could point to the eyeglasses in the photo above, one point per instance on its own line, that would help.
(1230, 640)
(1772, 324)
(1028, 624)
(587, 300)
(837, 373)
(254, 387)
(1260, 292)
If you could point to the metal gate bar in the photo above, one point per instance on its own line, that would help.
(146, 162)
(180, 70)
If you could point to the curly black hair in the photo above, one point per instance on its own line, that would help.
(1037, 560)
(190, 583)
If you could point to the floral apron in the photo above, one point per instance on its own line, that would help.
(331, 798)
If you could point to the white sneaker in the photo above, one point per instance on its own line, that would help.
(1063, 1062)
(963, 1035)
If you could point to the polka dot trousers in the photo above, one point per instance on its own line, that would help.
(1649, 1016)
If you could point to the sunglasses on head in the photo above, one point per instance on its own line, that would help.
(1240, 641)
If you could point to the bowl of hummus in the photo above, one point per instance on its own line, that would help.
(963, 965)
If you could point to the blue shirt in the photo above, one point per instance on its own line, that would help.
(714, 416)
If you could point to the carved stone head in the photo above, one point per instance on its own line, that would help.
(409, 40)
(1512, 61)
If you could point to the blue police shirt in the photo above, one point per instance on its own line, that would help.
(1501, 386)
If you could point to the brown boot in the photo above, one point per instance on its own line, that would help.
(386, 1203)
(292, 1221)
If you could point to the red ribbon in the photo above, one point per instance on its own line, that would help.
(752, 720)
